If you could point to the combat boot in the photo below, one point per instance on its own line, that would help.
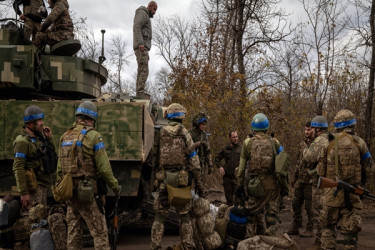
(294, 229)
(308, 231)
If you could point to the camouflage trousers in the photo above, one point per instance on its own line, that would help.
(77, 213)
(302, 194)
(40, 195)
(350, 226)
(57, 227)
(142, 74)
(51, 37)
(31, 28)
(317, 199)
(161, 207)
(256, 206)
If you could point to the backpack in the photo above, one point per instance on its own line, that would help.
(263, 242)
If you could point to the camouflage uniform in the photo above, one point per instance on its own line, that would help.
(95, 164)
(32, 17)
(203, 151)
(258, 151)
(58, 26)
(142, 35)
(27, 155)
(231, 154)
(187, 154)
(311, 157)
(302, 190)
(353, 160)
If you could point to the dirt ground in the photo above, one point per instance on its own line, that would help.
(137, 237)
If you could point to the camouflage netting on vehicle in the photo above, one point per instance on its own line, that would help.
(205, 236)
(262, 242)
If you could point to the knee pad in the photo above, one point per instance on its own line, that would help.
(185, 218)
(159, 217)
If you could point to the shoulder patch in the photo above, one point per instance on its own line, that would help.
(100, 139)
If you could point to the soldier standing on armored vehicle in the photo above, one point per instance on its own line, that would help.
(302, 188)
(231, 153)
(142, 35)
(202, 145)
(347, 159)
(31, 172)
(33, 13)
(259, 179)
(82, 154)
(311, 156)
(177, 158)
(58, 25)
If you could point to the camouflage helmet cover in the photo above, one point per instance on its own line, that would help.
(319, 121)
(344, 118)
(175, 111)
(32, 113)
(260, 122)
(87, 108)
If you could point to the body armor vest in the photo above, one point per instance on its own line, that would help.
(349, 160)
(31, 11)
(172, 150)
(262, 156)
(71, 155)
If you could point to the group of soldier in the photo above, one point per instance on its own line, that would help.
(82, 155)
(249, 176)
(57, 26)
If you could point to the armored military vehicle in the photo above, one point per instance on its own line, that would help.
(57, 81)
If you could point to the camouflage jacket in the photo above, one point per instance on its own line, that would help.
(30, 9)
(26, 156)
(203, 150)
(231, 154)
(354, 160)
(59, 19)
(142, 29)
(93, 148)
(247, 157)
(177, 129)
(301, 173)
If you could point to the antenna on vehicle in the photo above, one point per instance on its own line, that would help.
(102, 57)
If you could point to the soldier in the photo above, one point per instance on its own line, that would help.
(202, 146)
(302, 188)
(30, 170)
(33, 13)
(231, 153)
(142, 35)
(177, 159)
(58, 26)
(258, 181)
(82, 154)
(346, 158)
(311, 157)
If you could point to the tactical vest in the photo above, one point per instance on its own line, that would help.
(71, 155)
(349, 159)
(172, 150)
(31, 11)
(262, 156)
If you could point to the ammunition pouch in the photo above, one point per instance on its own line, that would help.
(63, 188)
(179, 197)
(177, 177)
(255, 187)
(31, 181)
(85, 191)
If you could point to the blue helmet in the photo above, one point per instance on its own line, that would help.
(260, 122)
(89, 109)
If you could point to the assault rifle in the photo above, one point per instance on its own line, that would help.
(346, 187)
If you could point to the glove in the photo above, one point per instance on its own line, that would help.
(117, 191)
